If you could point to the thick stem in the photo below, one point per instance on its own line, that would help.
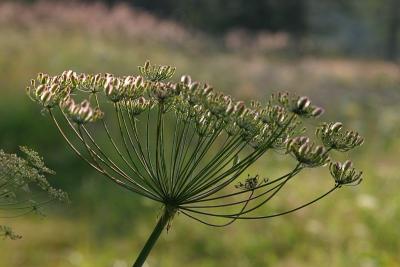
(162, 222)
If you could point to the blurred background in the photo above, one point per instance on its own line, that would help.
(344, 54)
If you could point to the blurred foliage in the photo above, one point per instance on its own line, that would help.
(368, 28)
(20, 177)
(106, 226)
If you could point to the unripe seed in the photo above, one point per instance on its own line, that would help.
(194, 86)
(303, 103)
(347, 165)
(317, 112)
(186, 79)
(336, 126)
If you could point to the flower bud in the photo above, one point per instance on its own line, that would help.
(230, 109)
(85, 104)
(239, 107)
(108, 89)
(319, 150)
(347, 165)
(46, 96)
(141, 100)
(68, 74)
(303, 140)
(186, 79)
(303, 103)
(108, 81)
(336, 126)
(304, 149)
(317, 112)
(194, 86)
(207, 90)
(97, 78)
(146, 65)
(40, 89)
(54, 87)
(138, 81)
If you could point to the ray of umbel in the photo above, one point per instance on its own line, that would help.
(187, 146)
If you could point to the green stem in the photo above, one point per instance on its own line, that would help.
(162, 222)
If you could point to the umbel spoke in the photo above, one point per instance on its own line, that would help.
(187, 146)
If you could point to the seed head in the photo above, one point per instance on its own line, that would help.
(308, 154)
(183, 139)
(333, 136)
(345, 174)
(156, 73)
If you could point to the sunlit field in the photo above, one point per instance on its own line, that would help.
(105, 225)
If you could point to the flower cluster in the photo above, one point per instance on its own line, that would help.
(156, 73)
(81, 112)
(344, 173)
(333, 136)
(307, 153)
(49, 91)
(177, 140)
(251, 183)
(129, 87)
(301, 105)
(135, 106)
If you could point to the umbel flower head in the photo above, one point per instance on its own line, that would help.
(186, 145)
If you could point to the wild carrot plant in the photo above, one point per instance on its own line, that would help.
(187, 146)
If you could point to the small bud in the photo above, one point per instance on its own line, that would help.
(317, 112)
(68, 74)
(97, 78)
(336, 126)
(108, 89)
(239, 107)
(207, 90)
(304, 149)
(46, 96)
(147, 65)
(194, 86)
(108, 81)
(290, 143)
(141, 100)
(138, 81)
(186, 79)
(85, 104)
(319, 150)
(303, 140)
(40, 89)
(337, 166)
(229, 109)
(53, 88)
(347, 165)
(303, 103)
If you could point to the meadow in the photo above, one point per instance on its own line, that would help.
(107, 226)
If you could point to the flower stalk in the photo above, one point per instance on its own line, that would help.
(163, 221)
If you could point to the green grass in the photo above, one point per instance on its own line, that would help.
(106, 226)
